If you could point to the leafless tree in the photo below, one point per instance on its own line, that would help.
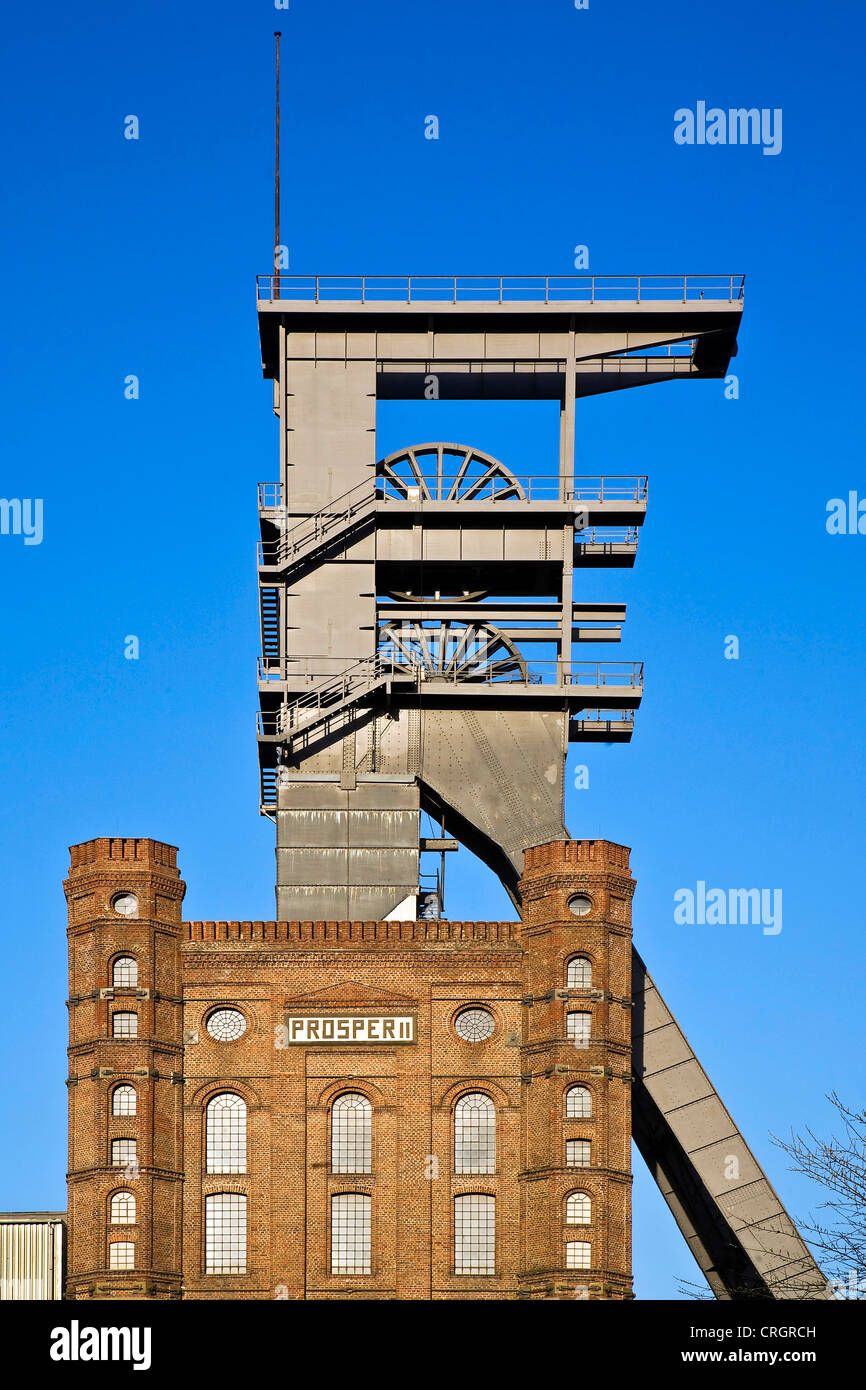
(837, 1164)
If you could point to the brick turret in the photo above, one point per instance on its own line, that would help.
(125, 1030)
(576, 908)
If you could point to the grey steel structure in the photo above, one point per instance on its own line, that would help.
(419, 620)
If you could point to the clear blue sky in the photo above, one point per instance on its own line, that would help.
(556, 129)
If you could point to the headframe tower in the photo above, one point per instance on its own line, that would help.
(421, 622)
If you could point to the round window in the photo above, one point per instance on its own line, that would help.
(226, 1025)
(580, 905)
(474, 1025)
(126, 904)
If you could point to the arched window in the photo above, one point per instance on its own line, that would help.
(226, 1134)
(579, 975)
(124, 1153)
(578, 1103)
(351, 1134)
(121, 1212)
(350, 1233)
(124, 1025)
(123, 1100)
(121, 1254)
(578, 1027)
(225, 1233)
(475, 1134)
(577, 1153)
(125, 971)
(474, 1234)
(577, 1255)
(578, 1209)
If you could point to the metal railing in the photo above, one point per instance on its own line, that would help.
(606, 716)
(501, 289)
(311, 531)
(607, 535)
(335, 690)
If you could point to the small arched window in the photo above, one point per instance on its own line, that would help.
(578, 1103)
(351, 1134)
(123, 1100)
(121, 1212)
(125, 971)
(578, 1255)
(475, 1134)
(577, 1153)
(226, 1139)
(124, 1025)
(121, 1254)
(579, 974)
(578, 1210)
(578, 1027)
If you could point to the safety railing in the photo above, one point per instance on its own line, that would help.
(501, 289)
(334, 690)
(607, 535)
(312, 531)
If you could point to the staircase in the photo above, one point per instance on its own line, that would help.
(338, 519)
(331, 699)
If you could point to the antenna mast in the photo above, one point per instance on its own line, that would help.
(277, 33)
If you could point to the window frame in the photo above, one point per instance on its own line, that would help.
(586, 962)
(232, 1136)
(489, 1139)
(336, 1203)
(240, 1202)
(350, 1140)
(124, 1013)
(121, 960)
(123, 1088)
(489, 1239)
(123, 1220)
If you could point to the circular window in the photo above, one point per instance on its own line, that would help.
(126, 904)
(580, 905)
(474, 1025)
(226, 1025)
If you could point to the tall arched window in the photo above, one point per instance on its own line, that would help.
(351, 1249)
(225, 1233)
(125, 971)
(226, 1134)
(474, 1234)
(123, 1100)
(578, 1103)
(579, 975)
(121, 1211)
(475, 1134)
(351, 1134)
(578, 1209)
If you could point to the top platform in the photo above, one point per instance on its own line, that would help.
(481, 292)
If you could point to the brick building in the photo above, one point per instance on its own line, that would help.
(381, 1109)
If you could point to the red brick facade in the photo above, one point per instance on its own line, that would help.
(427, 972)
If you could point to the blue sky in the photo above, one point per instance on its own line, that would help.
(556, 129)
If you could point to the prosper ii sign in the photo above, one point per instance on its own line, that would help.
(352, 1028)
